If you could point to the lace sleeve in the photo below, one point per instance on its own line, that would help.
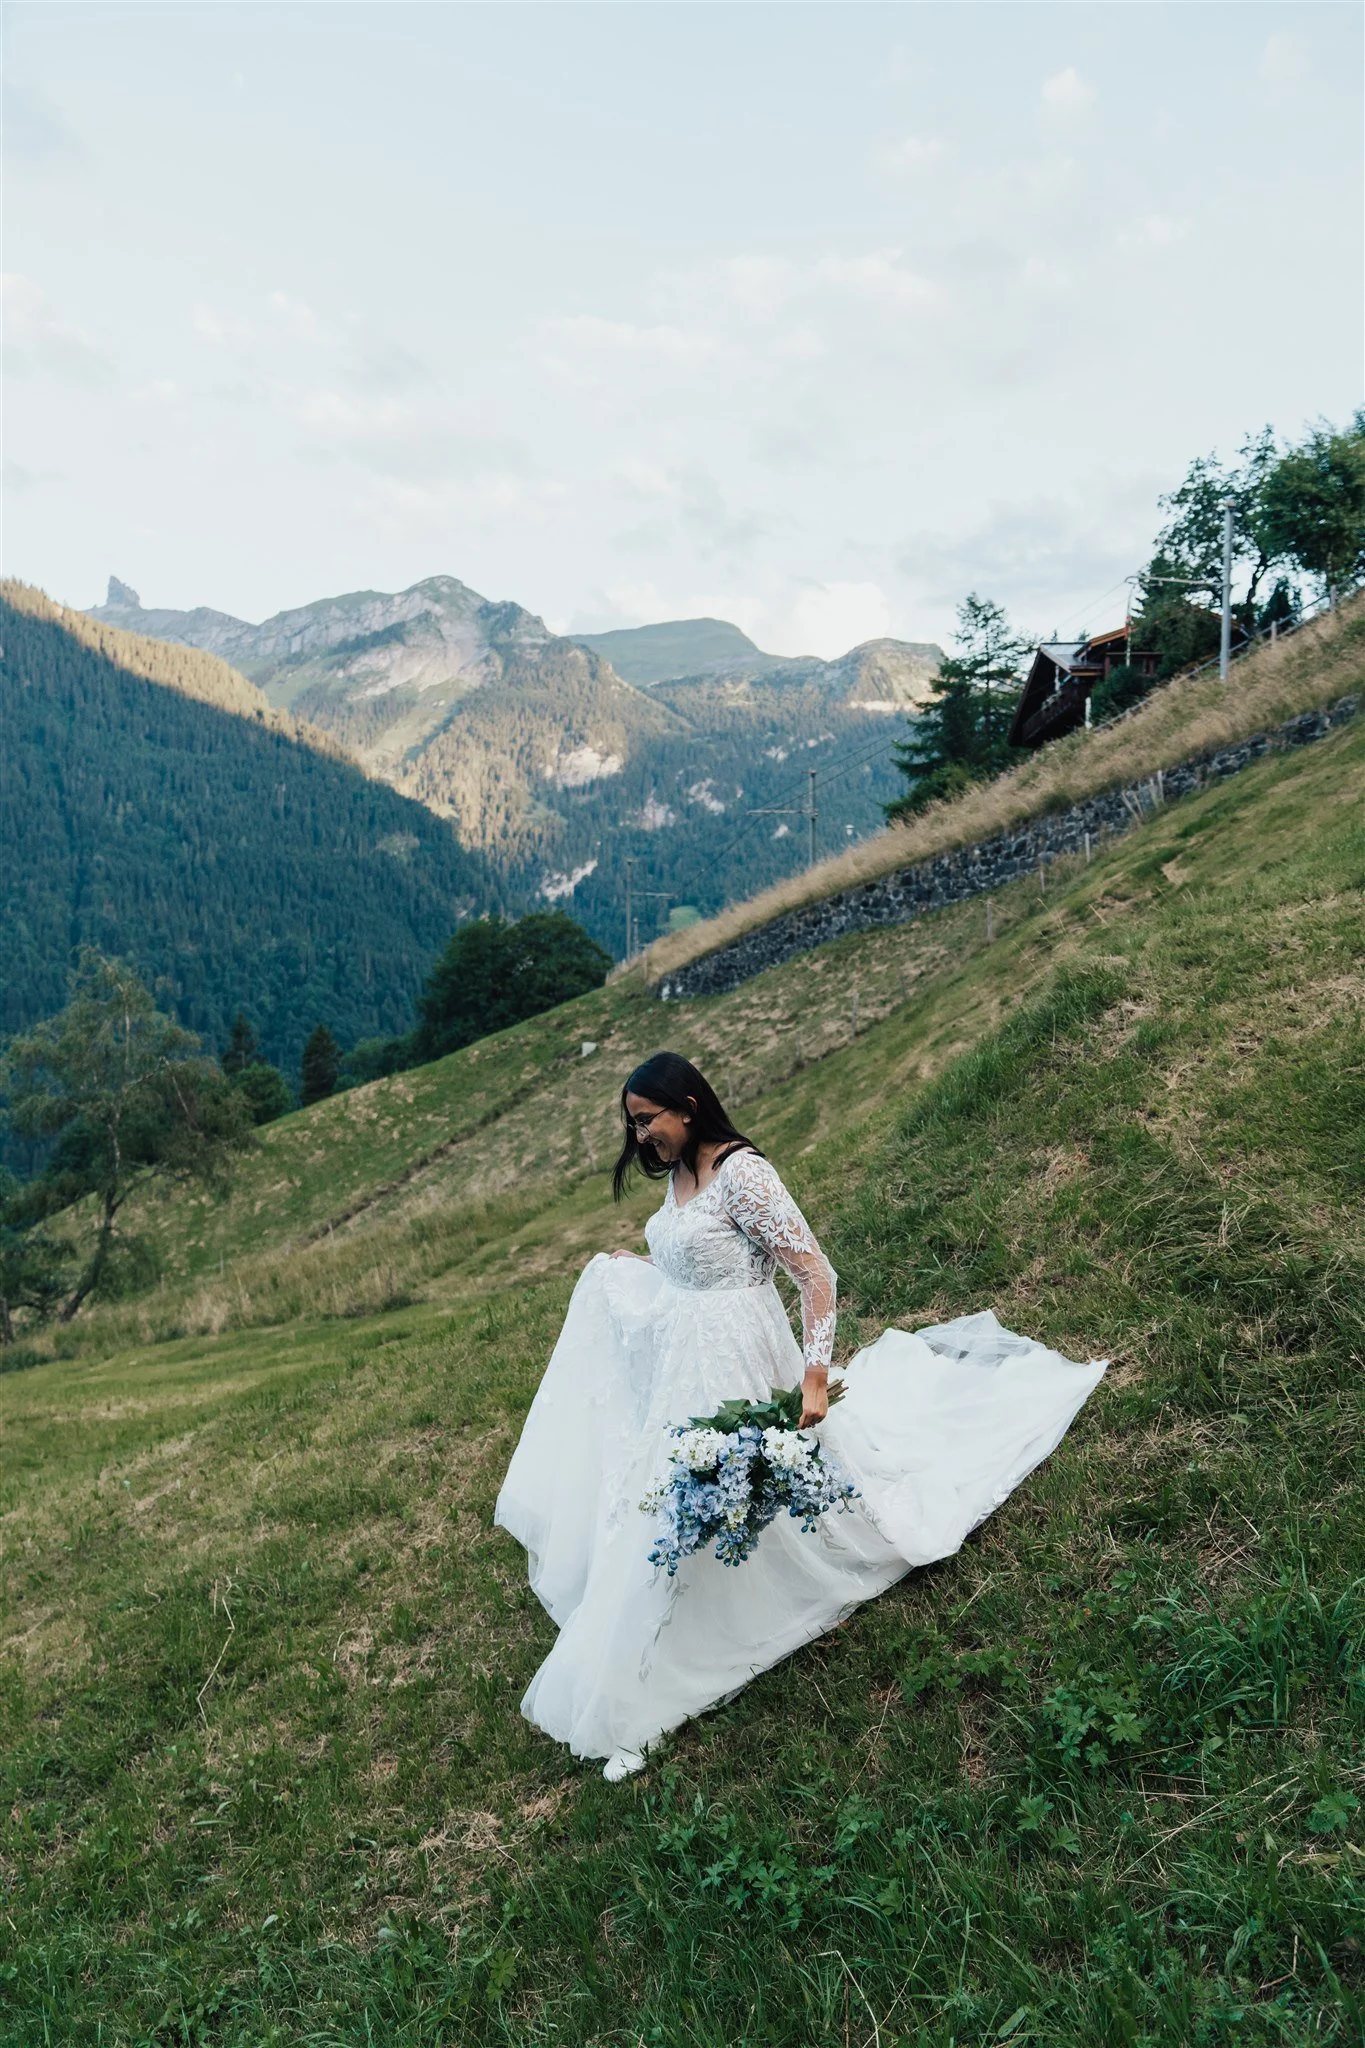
(755, 1200)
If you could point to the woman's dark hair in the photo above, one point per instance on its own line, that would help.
(674, 1083)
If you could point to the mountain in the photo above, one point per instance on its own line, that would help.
(558, 767)
(880, 675)
(157, 807)
(179, 665)
(678, 647)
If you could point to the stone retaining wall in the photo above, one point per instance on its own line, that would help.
(968, 871)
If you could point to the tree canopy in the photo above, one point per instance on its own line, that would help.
(493, 974)
(123, 1096)
(961, 735)
(1298, 513)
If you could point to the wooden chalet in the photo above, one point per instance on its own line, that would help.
(1064, 672)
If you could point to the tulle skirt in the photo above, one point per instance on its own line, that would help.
(935, 1430)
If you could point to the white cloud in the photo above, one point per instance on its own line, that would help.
(650, 479)
(758, 284)
(1283, 60)
(1155, 231)
(299, 321)
(221, 330)
(661, 342)
(911, 153)
(334, 416)
(158, 391)
(37, 132)
(880, 274)
(768, 285)
(829, 618)
(1066, 92)
(37, 340)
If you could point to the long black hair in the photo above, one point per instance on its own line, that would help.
(674, 1083)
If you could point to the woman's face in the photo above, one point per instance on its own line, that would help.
(666, 1130)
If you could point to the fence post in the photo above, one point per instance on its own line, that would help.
(1087, 849)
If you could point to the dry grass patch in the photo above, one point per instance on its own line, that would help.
(1190, 716)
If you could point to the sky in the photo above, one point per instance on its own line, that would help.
(812, 317)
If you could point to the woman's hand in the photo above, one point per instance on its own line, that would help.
(633, 1255)
(814, 1398)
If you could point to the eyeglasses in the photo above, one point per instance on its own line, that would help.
(642, 1123)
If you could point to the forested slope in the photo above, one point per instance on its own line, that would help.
(558, 770)
(177, 665)
(232, 864)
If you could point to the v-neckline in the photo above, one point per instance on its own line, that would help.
(673, 1192)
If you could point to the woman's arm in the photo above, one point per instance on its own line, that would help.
(754, 1199)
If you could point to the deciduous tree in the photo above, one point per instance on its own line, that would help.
(126, 1098)
(493, 974)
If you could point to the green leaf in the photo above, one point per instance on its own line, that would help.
(1332, 1814)
(1015, 2020)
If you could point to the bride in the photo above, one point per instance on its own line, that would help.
(935, 1430)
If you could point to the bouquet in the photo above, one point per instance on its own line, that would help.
(733, 1472)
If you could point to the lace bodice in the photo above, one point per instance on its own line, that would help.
(736, 1232)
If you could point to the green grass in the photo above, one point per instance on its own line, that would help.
(1098, 1779)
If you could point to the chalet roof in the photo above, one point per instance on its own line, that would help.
(1061, 653)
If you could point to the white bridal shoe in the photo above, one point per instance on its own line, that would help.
(621, 1764)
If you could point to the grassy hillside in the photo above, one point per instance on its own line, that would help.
(1095, 1780)
(230, 862)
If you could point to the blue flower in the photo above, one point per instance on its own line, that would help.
(724, 1487)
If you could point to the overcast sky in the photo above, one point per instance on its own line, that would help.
(811, 317)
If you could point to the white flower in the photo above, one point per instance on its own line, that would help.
(699, 1449)
(785, 1449)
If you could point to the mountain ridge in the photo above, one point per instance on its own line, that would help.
(554, 765)
(231, 859)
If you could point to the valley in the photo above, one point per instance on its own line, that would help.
(558, 767)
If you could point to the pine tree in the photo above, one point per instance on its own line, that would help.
(961, 736)
(243, 1046)
(320, 1066)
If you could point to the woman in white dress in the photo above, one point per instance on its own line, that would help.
(935, 1430)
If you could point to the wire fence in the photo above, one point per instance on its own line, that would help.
(1262, 636)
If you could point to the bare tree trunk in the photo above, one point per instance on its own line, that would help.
(90, 1277)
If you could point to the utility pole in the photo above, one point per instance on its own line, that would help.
(806, 811)
(1225, 642)
(633, 896)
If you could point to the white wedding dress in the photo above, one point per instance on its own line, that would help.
(935, 1430)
